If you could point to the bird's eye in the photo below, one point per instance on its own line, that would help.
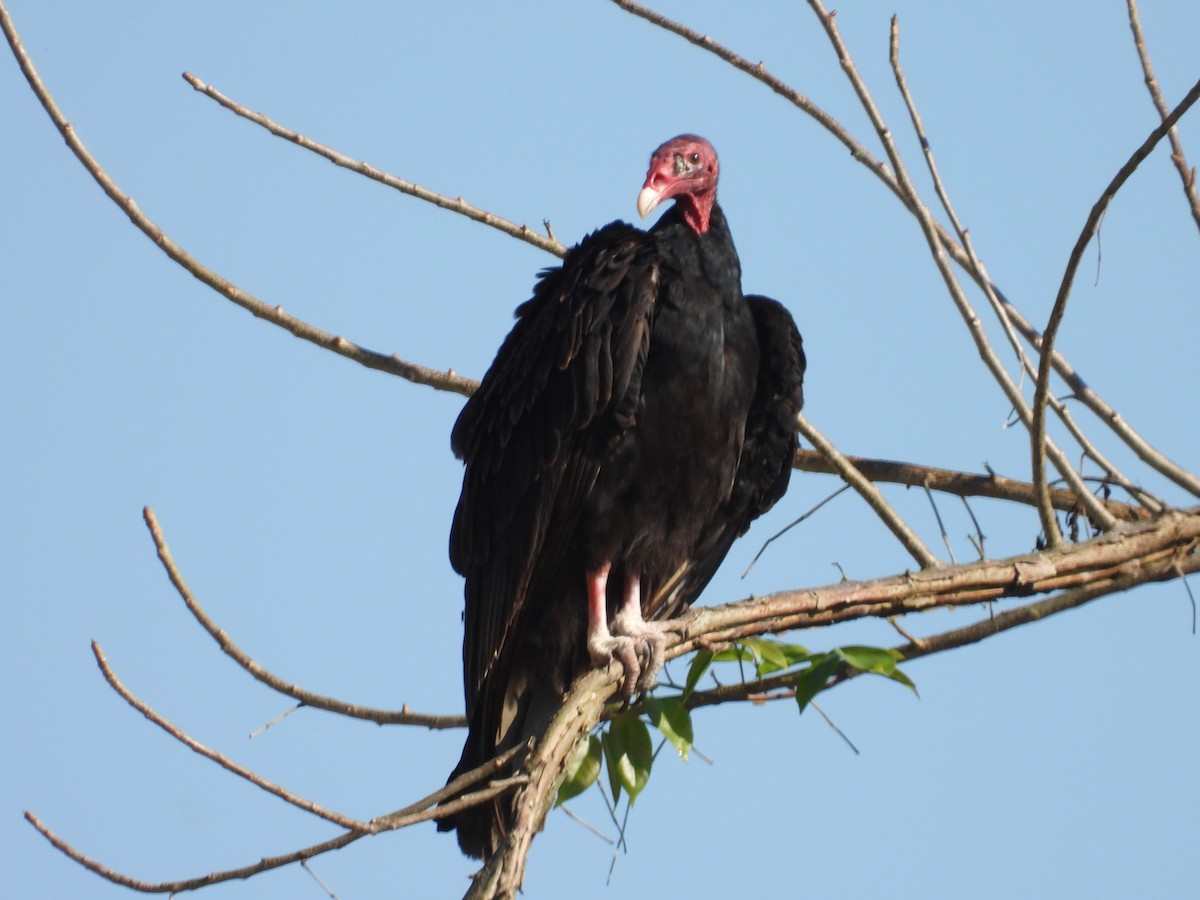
(694, 159)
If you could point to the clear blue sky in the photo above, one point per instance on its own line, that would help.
(308, 500)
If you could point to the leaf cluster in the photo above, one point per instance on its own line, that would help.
(623, 746)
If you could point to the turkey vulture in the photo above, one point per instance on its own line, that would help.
(637, 418)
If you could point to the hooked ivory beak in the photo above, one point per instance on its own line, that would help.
(647, 200)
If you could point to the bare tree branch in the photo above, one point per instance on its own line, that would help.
(980, 276)
(1102, 410)
(947, 481)
(1186, 173)
(403, 716)
(930, 229)
(421, 811)
(936, 246)
(393, 365)
(458, 205)
(315, 877)
(450, 380)
(868, 492)
(759, 72)
(1162, 548)
(189, 884)
(1139, 547)
(963, 484)
(1134, 554)
(1038, 438)
(220, 759)
(769, 687)
(1165, 548)
(776, 686)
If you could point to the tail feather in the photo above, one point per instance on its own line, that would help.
(527, 708)
(480, 828)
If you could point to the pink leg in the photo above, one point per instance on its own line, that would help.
(630, 633)
(631, 603)
(597, 584)
(602, 645)
(652, 636)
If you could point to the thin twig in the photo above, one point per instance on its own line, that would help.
(1039, 441)
(979, 273)
(190, 884)
(792, 524)
(275, 721)
(1186, 173)
(1106, 414)
(930, 228)
(452, 791)
(1191, 597)
(1113, 475)
(895, 623)
(393, 364)
(399, 819)
(977, 539)
(579, 820)
(976, 265)
(936, 246)
(832, 724)
(759, 72)
(868, 492)
(963, 484)
(220, 759)
(403, 716)
(941, 525)
(317, 878)
(453, 204)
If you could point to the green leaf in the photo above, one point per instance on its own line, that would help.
(628, 752)
(812, 682)
(700, 663)
(672, 718)
(774, 656)
(736, 653)
(583, 769)
(903, 679)
(870, 659)
(733, 654)
(878, 661)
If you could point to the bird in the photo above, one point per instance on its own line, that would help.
(635, 421)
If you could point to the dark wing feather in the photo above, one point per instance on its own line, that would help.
(562, 387)
(765, 465)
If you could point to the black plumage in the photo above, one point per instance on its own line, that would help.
(637, 418)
